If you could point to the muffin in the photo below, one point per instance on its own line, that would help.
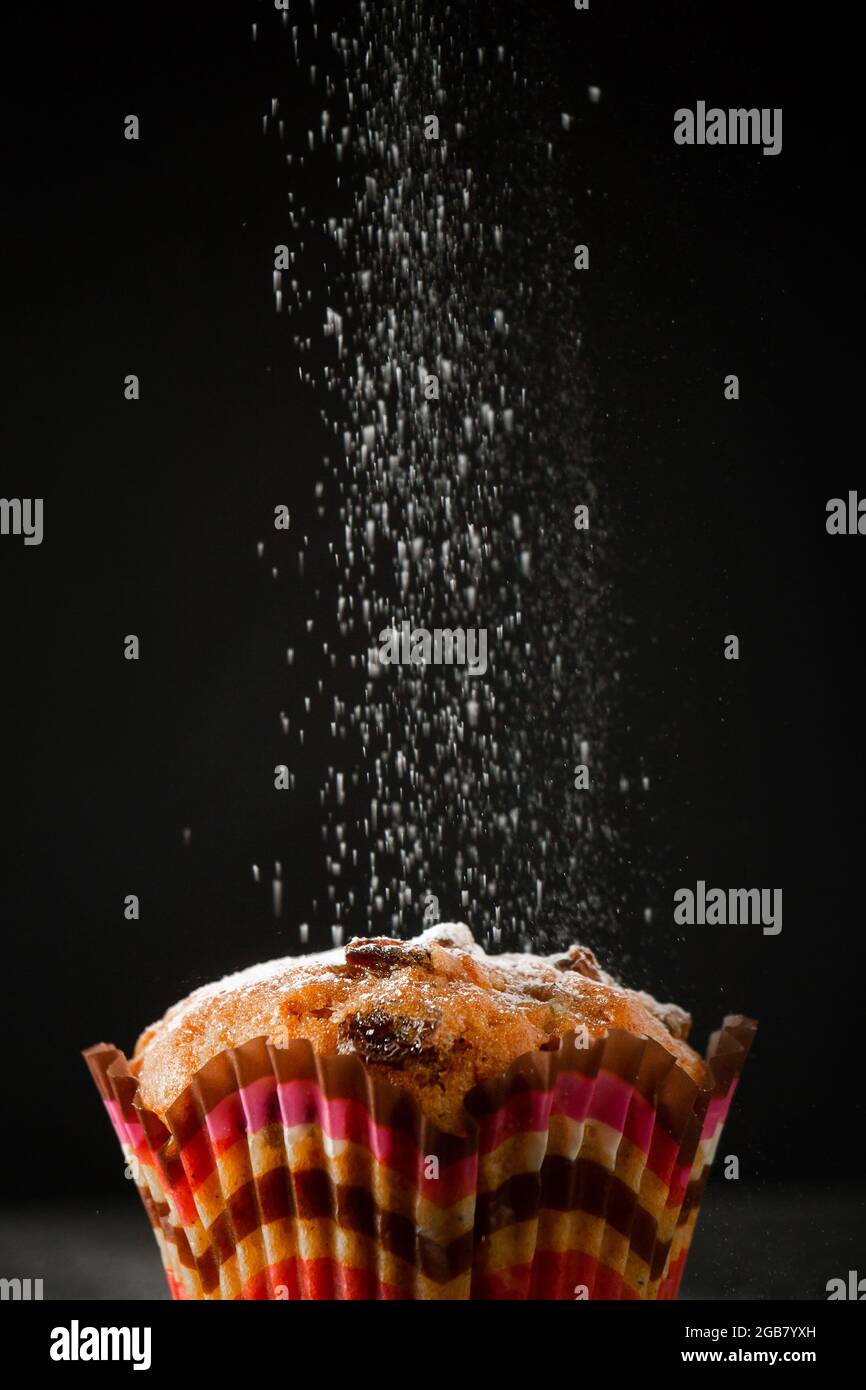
(418, 1120)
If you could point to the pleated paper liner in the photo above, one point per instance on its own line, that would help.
(280, 1174)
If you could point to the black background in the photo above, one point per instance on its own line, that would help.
(155, 258)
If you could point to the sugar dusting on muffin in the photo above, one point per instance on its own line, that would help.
(434, 1015)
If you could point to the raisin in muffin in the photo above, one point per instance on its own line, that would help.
(434, 1016)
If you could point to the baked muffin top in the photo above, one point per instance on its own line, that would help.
(434, 1015)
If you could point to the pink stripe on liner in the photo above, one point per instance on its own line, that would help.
(226, 1123)
(620, 1105)
(128, 1131)
(529, 1111)
(303, 1102)
(261, 1104)
(717, 1111)
(605, 1098)
(576, 1098)
(573, 1095)
(610, 1101)
(118, 1123)
(640, 1122)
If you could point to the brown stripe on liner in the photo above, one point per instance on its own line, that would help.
(169, 1163)
(314, 1194)
(399, 1236)
(602, 1194)
(352, 1209)
(444, 1263)
(222, 1237)
(693, 1197)
(157, 1211)
(176, 1236)
(183, 1247)
(275, 1195)
(516, 1200)
(356, 1210)
(661, 1255)
(243, 1211)
(208, 1270)
(643, 1236)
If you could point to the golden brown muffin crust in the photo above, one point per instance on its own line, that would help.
(434, 1016)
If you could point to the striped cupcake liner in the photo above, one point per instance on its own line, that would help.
(281, 1174)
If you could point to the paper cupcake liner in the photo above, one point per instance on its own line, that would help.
(281, 1174)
